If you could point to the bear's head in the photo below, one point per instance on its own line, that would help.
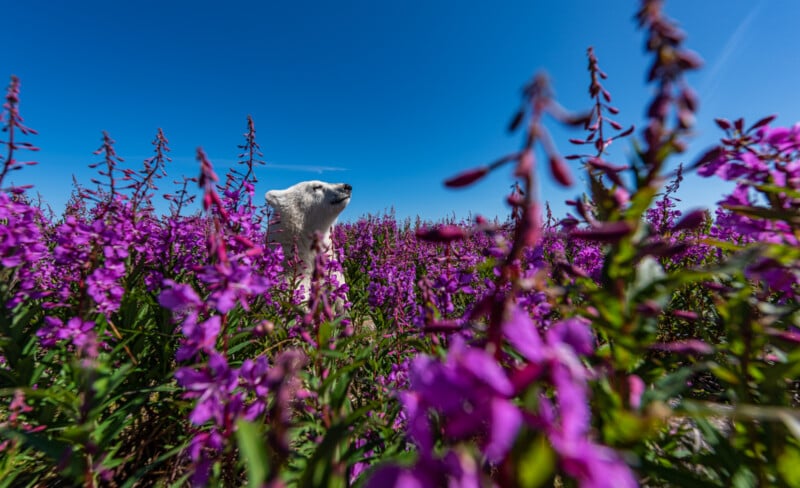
(310, 206)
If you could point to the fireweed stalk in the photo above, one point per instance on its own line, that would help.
(223, 394)
(21, 239)
(615, 213)
(12, 122)
(251, 154)
(473, 391)
(92, 252)
(765, 204)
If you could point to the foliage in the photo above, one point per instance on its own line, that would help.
(630, 343)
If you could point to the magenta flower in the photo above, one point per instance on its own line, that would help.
(254, 377)
(76, 332)
(467, 177)
(213, 388)
(232, 282)
(178, 297)
(198, 337)
(574, 332)
(568, 421)
(522, 333)
(594, 465)
(202, 450)
(22, 246)
(470, 392)
(453, 470)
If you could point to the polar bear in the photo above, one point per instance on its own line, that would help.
(302, 210)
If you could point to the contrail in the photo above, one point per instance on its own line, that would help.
(711, 82)
(221, 163)
(305, 168)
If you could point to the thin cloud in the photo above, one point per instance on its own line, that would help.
(222, 163)
(305, 168)
(712, 78)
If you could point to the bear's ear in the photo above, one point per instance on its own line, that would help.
(273, 198)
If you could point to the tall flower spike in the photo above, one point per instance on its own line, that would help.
(110, 160)
(216, 240)
(143, 181)
(598, 137)
(670, 62)
(251, 152)
(12, 122)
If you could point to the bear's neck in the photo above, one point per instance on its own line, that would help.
(292, 236)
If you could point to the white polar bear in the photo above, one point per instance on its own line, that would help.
(302, 210)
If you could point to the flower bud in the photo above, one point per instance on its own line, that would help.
(604, 232)
(467, 178)
(560, 171)
(524, 165)
(444, 233)
(690, 221)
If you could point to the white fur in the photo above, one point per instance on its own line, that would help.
(301, 210)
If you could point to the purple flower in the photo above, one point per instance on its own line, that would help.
(104, 288)
(77, 332)
(593, 465)
(521, 332)
(254, 378)
(22, 246)
(574, 332)
(454, 470)
(694, 346)
(202, 448)
(232, 283)
(178, 297)
(213, 386)
(567, 422)
(198, 336)
(470, 392)
(14, 419)
(636, 388)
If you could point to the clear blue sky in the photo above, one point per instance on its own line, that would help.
(389, 96)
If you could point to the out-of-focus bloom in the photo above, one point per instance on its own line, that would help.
(77, 332)
(604, 232)
(467, 178)
(178, 296)
(471, 393)
(444, 233)
(198, 336)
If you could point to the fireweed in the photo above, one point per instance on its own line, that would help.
(626, 342)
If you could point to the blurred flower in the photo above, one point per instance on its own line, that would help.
(77, 332)
(471, 394)
(198, 336)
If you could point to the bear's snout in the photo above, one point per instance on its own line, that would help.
(341, 193)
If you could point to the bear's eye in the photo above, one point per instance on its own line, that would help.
(316, 187)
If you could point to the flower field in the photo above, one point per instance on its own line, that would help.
(628, 343)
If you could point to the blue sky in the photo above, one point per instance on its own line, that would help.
(392, 97)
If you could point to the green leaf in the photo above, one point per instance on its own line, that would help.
(744, 478)
(724, 373)
(249, 437)
(677, 476)
(669, 386)
(780, 189)
(319, 470)
(338, 381)
(792, 423)
(52, 448)
(789, 466)
(536, 463)
(788, 216)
